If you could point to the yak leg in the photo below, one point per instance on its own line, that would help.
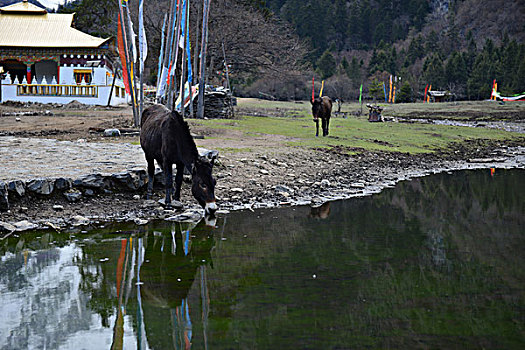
(178, 180)
(168, 173)
(326, 123)
(316, 127)
(151, 176)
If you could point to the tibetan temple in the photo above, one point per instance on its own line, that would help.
(49, 61)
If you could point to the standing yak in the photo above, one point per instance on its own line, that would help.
(322, 108)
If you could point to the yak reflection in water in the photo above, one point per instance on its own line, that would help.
(166, 267)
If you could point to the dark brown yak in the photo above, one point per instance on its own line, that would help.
(322, 108)
(165, 137)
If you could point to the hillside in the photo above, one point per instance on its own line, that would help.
(456, 45)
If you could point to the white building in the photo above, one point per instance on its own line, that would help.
(49, 61)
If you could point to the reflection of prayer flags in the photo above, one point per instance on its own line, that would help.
(360, 92)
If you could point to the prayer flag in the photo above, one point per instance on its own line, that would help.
(360, 92)
(160, 72)
(313, 94)
(121, 51)
(390, 90)
(188, 48)
(322, 87)
(143, 44)
(132, 36)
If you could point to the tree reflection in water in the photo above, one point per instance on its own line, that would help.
(435, 262)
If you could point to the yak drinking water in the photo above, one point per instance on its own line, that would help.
(322, 108)
(165, 137)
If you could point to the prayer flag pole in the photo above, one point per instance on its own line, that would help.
(124, 42)
(204, 43)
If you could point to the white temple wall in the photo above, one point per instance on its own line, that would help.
(66, 76)
(10, 93)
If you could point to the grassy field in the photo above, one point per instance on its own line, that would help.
(293, 120)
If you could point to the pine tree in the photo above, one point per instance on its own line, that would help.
(326, 65)
(405, 93)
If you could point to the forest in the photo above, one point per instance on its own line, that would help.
(274, 47)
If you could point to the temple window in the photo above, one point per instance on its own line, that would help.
(82, 74)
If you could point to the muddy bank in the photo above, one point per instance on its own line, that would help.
(268, 179)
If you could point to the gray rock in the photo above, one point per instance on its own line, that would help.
(283, 189)
(210, 154)
(79, 220)
(24, 225)
(174, 204)
(58, 207)
(132, 180)
(4, 200)
(190, 215)
(149, 203)
(112, 132)
(41, 186)
(93, 181)
(17, 187)
(6, 227)
(89, 192)
(63, 184)
(325, 183)
(73, 196)
(139, 221)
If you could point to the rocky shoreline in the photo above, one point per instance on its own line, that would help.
(261, 180)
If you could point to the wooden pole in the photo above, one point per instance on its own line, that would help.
(174, 58)
(226, 68)
(169, 44)
(188, 52)
(133, 86)
(112, 86)
(141, 66)
(204, 43)
(196, 53)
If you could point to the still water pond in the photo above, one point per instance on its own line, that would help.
(436, 262)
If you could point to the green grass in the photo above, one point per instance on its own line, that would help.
(357, 132)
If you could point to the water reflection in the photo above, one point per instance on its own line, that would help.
(321, 212)
(103, 291)
(436, 262)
